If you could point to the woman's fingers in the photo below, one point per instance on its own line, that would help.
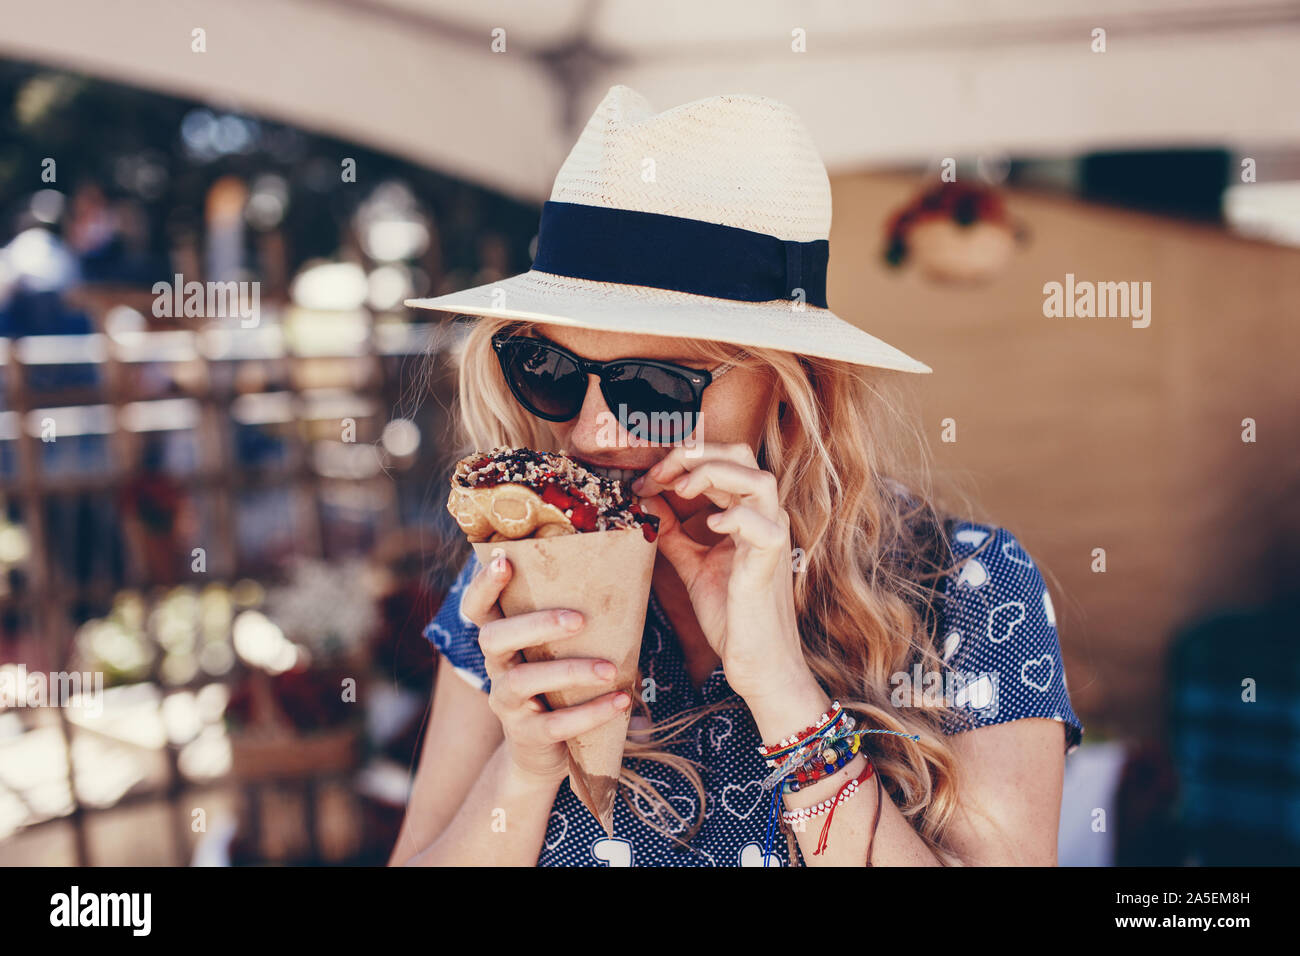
(682, 552)
(725, 474)
(571, 721)
(682, 459)
(478, 602)
(523, 681)
(726, 484)
(501, 639)
(751, 527)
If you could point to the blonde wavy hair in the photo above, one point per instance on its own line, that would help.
(841, 447)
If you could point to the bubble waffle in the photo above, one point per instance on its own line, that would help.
(512, 493)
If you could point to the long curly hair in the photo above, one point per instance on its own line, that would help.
(854, 474)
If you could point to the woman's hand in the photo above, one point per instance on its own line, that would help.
(534, 736)
(742, 588)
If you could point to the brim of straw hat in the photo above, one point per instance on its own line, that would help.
(612, 307)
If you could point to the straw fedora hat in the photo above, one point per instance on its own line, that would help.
(710, 220)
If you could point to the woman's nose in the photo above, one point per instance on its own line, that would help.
(596, 425)
(593, 413)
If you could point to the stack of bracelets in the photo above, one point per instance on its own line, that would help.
(801, 760)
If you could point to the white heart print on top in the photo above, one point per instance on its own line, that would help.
(1004, 619)
(751, 854)
(746, 798)
(973, 574)
(1012, 551)
(612, 851)
(1038, 673)
(560, 824)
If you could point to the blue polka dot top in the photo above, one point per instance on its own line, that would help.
(996, 635)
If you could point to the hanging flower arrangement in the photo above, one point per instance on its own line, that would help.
(953, 232)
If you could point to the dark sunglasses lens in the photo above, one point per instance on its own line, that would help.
(651, 403)
(548, 384)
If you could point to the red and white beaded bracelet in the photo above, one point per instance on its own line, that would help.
(788, 817)
(789, 743)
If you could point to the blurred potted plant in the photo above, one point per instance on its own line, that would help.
(297, 710)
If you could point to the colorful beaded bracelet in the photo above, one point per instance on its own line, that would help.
(836, 727)
(789, 817)
(820, 769)
(801, 754)
(794, 740)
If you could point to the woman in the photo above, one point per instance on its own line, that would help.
(803, 575)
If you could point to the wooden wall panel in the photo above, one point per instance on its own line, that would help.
(1078, 433)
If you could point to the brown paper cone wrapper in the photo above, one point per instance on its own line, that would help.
(605, 575)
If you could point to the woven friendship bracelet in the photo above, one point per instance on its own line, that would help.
(896, 733)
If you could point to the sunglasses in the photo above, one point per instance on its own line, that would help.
(654, 400)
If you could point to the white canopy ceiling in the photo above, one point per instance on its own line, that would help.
(878, 83)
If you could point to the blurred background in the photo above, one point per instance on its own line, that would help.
(227, 519)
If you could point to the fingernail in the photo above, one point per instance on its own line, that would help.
(638, 484)
(498, 560)
(571, 620)
(621, 701)
(681, 484)
(605, 670)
